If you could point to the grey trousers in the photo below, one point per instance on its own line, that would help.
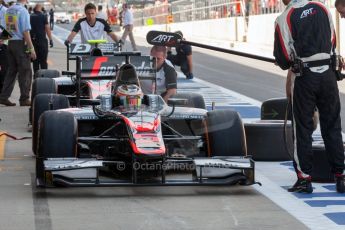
(19, 63)
(129, 32)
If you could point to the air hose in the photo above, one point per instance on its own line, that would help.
(285, 136)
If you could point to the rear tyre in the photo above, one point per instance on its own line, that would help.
(194, 100)
(47, 73)
(42, 103)
(266, 140)
(225, 133)
(57, 138)
(41, 85)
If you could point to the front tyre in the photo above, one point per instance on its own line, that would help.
(57, 138)
(225, 133)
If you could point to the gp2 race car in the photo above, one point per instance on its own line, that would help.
(125, 138)
(96, 76)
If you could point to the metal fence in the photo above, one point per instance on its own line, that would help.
(193, 10)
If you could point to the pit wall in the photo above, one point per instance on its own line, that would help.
(231, 32)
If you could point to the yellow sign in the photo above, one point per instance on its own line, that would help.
(149, 22)
(11, 22)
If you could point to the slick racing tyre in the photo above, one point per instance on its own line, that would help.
(47, 73)
(225, 133)
(42, 103)
(57, 138)
(322, 170)
(194, 100)
(41, 85)
(265, 140)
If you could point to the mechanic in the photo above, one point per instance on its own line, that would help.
(3, 45)
(183, 58)
(20, 54)
(51, 19)
(314, 85)
(166, 76)
(127, 21)
(40, 29)
(91, 28)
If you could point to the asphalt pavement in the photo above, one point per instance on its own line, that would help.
(26, 207)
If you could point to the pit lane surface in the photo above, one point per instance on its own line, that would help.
(260, 81)
(25, 207)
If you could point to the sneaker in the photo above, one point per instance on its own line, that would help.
(340, 183)
(26, 102)
(302, 185)
(189, 76)
(7, 102)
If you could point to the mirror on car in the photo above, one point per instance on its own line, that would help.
(68, 73)
(92, 102)
(177, 101)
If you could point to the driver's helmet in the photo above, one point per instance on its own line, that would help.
(129, 95)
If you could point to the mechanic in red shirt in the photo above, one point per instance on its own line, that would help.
(182, 58)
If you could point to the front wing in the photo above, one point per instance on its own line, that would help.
(197, 171)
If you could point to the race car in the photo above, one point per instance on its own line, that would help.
(62, 17)
(97, 73)
(125, 138)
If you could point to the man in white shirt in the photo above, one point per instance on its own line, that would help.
(101, 13)
(166, 76)
(127, 18)
(90, 27)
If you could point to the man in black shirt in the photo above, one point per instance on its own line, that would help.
(51, 19)
(3, 46)
(39, 31)
(183, 58)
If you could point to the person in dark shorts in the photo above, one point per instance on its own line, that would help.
(40, 29)
(20, 54)
(182, 58)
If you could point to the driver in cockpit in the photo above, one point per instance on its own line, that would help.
(129, 96)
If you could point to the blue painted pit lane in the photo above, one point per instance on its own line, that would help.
(337, 217)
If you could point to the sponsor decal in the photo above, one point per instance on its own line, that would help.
(106, 66)
(308, 12)
(162, 39)
(80, 48)
(97, 65)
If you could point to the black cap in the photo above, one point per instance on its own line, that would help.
(179, 33)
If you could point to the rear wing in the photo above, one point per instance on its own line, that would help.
(84, 49)
(105, 67)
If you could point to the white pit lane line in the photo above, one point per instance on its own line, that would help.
(273, 176)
